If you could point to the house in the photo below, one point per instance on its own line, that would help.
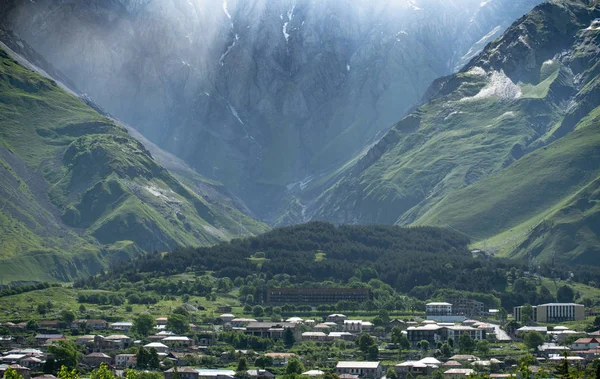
(458, 373)
(464, 358)
(49, 325)
(261, 374)
(178, 342)
(12, 358)
(32, 363)
(85, 339)
(540, 329)
(410, 367)
(280, 359)
(241, 322)
(161, 320)
(96, 359)
(125, 360)
(226, 317)
(365, 369)
(313, 373)
(43, 339)
(353, 326)
(124, 326)
(161, 348)
(183, 373)
(585, 344)
(273, 330)
(346, 336)
(396, 323)
(183, 358)
(336, 318)
(120, 341)
(316, 336)
(23, 371)
(90, 324)
(215, 374)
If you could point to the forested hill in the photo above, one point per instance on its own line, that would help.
(422, 262)
(318, 251)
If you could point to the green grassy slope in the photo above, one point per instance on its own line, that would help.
(77, 191)
(503, 144)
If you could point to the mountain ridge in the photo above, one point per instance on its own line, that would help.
(526, 91)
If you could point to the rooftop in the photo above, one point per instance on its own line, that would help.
(357, 364)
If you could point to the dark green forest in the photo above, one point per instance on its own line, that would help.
(421, 262)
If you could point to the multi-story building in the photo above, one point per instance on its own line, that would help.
(462, 306)
(434, 333)
(125, 360)
(372, 370)
(553, 312)
(314, 296)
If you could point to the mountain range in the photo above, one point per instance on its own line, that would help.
(280, 111)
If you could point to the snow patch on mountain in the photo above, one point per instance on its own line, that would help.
(499, 86)
(226, 10)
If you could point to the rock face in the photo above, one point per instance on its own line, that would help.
(505, 151)
(272, 98)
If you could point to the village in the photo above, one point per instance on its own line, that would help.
(443, 343)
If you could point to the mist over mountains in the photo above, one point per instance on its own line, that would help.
(272, 98)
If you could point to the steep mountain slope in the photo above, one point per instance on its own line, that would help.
(272, 98)
(78, 191)
(494, 148)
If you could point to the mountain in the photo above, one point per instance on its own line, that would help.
(275, 99)
(505, 151)
(78, 191)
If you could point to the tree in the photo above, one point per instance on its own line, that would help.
(264, 361)
(178, 324)
(364, 341)
(526, 313)
(142, 358)
(65, 373)
(446, 350)
(31, 325)
(41, 308)
(451, 342)
(372, 353)
(65, 353)
(466, 344)
(67, 316)
(82, 308)
(143, 324)
(385, 316)
(11, 373)
(248, 308)
(289, 339)
(154, 361)
(565, 294)
(533, 339)
(502, 315)
(49, 366)
(404, 343)
(102, 373)
(424, 345)
(391, 374)
(258, 311)
(544, 296)
(242, 364)
(294, 366)
(483, 347)
(396, 335)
